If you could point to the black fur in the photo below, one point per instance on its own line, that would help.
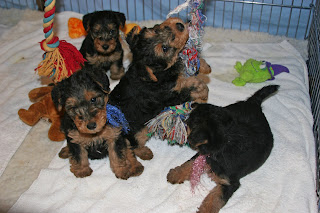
(141, 95)
(236, 139)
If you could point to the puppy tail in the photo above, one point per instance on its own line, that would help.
(263, 93)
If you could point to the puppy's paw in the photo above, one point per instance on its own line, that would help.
(81, 172)
(116, 73)
(143, 153)
(180, 173)
(129, 170)
(200, 92)
(64, 153)
(136, 169)
(174, 176)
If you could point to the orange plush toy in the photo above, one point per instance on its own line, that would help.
(76, 29)
(43, 107)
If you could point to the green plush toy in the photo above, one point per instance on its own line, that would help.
(253, 71)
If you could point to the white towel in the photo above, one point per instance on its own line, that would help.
(285, 183)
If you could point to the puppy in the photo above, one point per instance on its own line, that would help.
(155, 79)
(102, 47)
(84, 97)
(234, 140)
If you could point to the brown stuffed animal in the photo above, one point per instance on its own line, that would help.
(43, 107)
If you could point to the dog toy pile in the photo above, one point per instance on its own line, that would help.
(170, 125)
(190, 53)
(61, 59)
(253, 71)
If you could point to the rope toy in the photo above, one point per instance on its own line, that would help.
(116, 118)
(191, 52)
(61, 59)
(170, 124)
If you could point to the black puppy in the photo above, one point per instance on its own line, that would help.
(155, 79)
(102, 47)
(235, 141)
(84, 97)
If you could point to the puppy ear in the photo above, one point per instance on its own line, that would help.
(121, 18)
(132, 37)
(56, 95)
(86, 21)
(101, 79)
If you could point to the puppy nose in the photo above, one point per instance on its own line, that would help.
(180, 27)
(105, 47)
(92, 125)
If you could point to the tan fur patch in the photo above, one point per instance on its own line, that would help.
(116, 72)
(143, 151)
(88, 95)
(149, 33)
(85, 140)
(100, 120)
(64, 152)
(71, 102)
(142, 136)
(98, 59)
(180, 37)
(200, 92)
(213, 201)
(152, 76)
(98, 45)
(82, 168)
(126, 166)
(180, 173)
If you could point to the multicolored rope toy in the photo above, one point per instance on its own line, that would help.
(191, 52)
(60, 59)
(170, 124)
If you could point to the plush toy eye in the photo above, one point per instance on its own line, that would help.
(93, 100)
(165, 48)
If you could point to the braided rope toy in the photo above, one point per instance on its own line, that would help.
(191, 52)
(170, 124)
(61, 59)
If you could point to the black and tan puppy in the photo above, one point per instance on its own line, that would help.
(155, 79)
(235, 140)
(102, 47)
(84, 97)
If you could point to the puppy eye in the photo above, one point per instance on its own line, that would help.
(112, 31)
(93, 100)
(165, 48)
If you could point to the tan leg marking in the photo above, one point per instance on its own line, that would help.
(200, 92)
(143, 151)
(180, 173)
(116, 72)
(64, 153)
(213, 201)
(81, 169)
(126, 166)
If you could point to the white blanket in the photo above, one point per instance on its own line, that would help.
(285, 183)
